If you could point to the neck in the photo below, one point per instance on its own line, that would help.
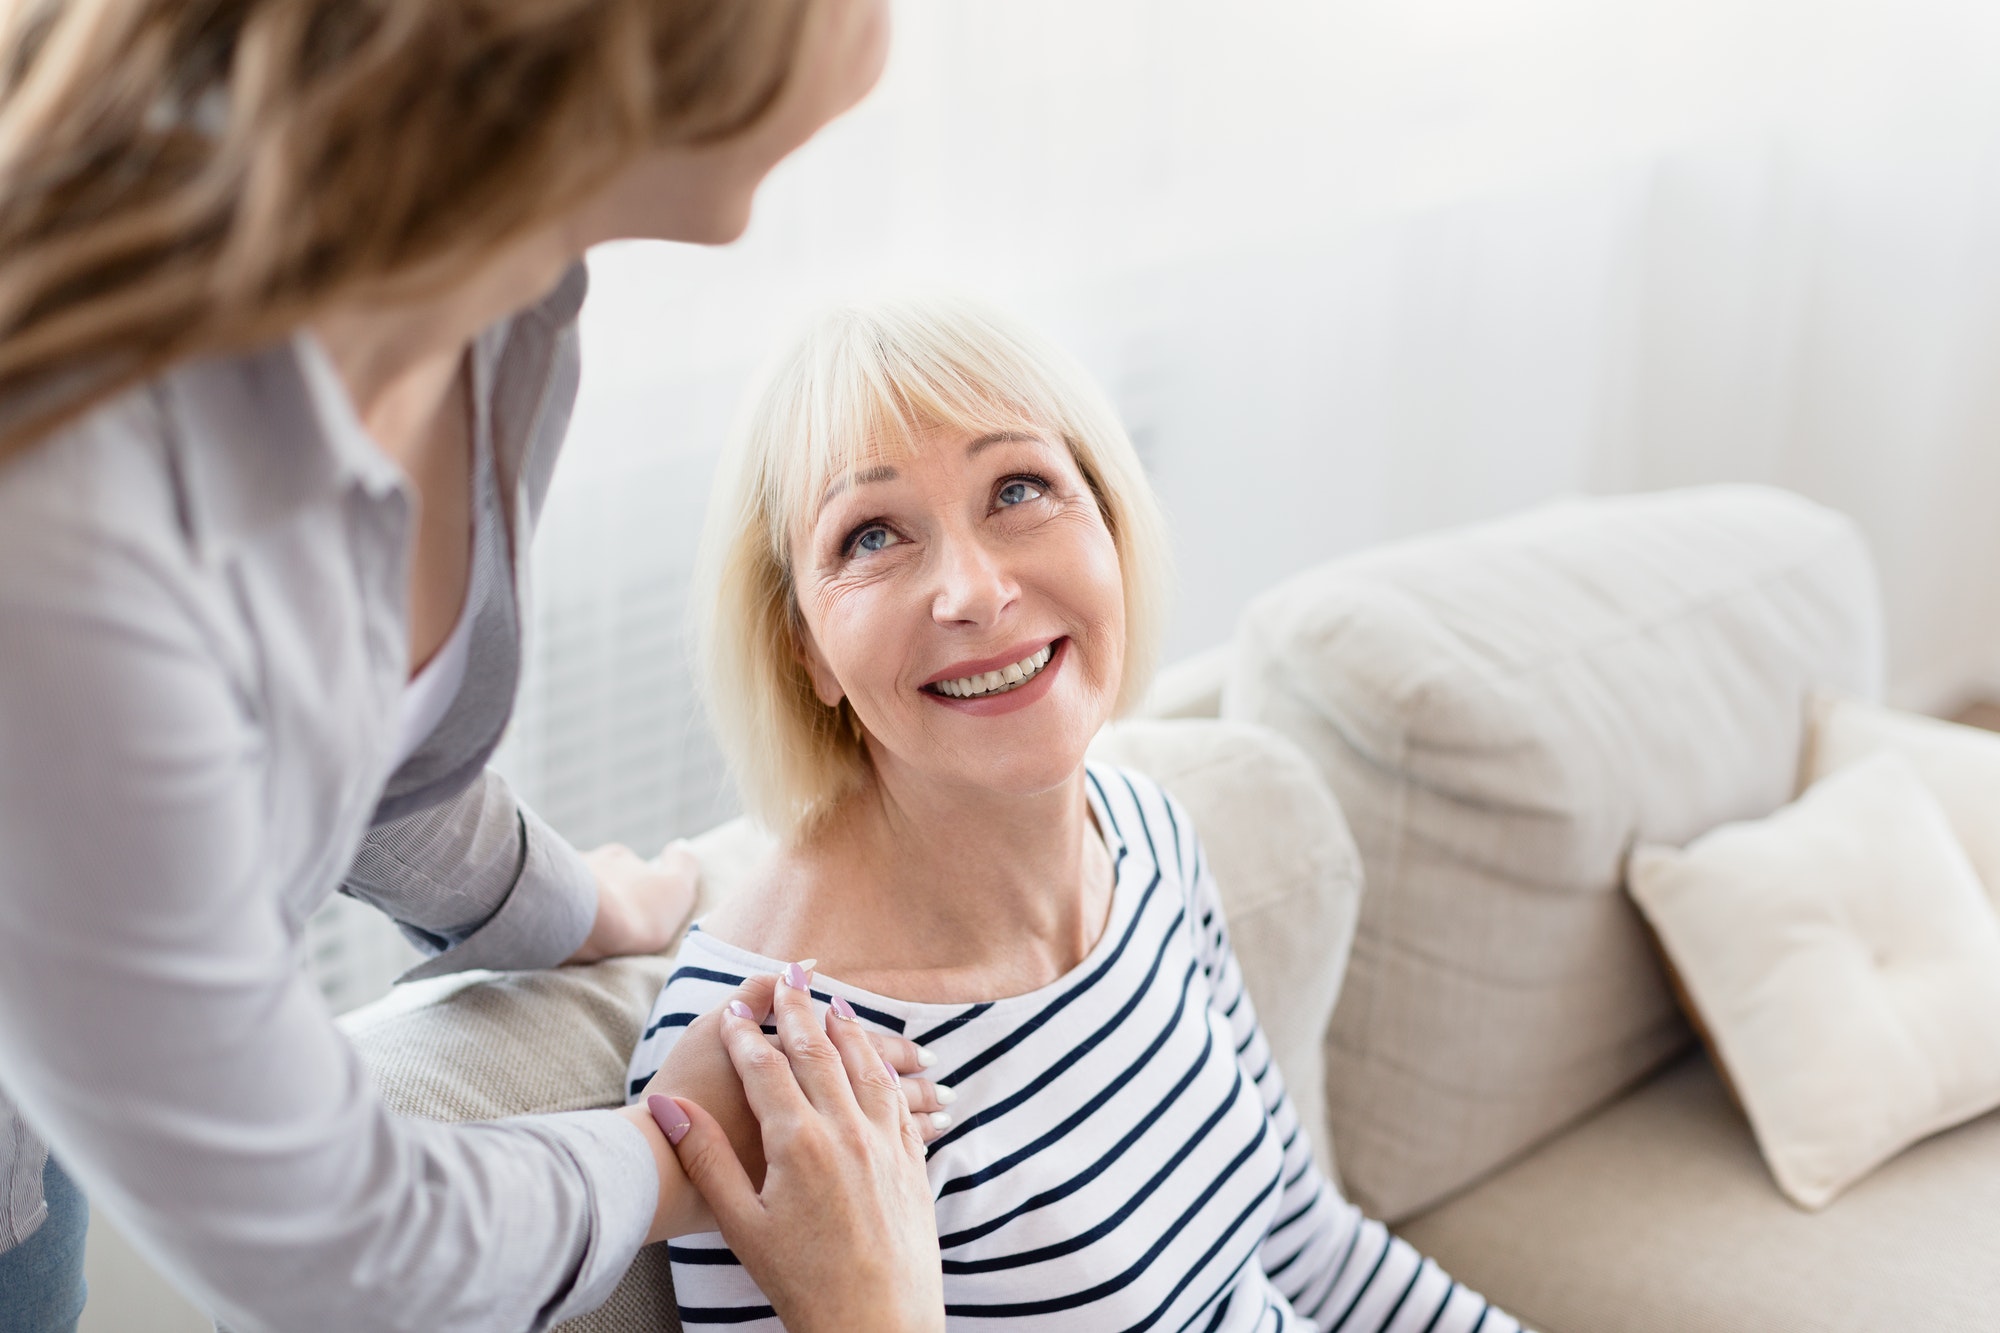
(397, 357)
(986, 895)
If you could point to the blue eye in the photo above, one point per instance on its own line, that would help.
(872, 539)
(1019, 492)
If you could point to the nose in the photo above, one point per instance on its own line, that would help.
(974, 586)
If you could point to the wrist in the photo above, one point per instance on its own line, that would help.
(680, 1210)
(605, 929)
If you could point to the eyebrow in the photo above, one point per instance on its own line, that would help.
(869, 476)
(865, 477)
(1002, 437)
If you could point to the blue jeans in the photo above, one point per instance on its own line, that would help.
(41, 1279)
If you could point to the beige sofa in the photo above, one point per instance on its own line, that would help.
(1500, 713)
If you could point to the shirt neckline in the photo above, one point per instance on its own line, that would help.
(1124, 903)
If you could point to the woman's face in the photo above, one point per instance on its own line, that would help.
(703, 193)
(967, 602)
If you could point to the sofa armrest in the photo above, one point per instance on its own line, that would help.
(1286, 868)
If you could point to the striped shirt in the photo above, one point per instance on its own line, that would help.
(1126, 1156)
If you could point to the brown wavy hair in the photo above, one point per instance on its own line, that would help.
(185, 177)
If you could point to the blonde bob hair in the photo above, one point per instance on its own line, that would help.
(187, 177)
(859, 388)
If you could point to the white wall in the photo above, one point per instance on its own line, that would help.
(1352, 272)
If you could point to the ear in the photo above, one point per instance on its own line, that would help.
(825, 685)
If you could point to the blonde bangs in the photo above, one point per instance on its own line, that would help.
(869, 382)
(861, 389)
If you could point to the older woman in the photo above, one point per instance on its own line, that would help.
(937, 571)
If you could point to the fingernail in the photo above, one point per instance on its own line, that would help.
(925, 1059)
(940, 1120)
(809, 964)
(667, 1114)
(893, 1075)
(843, 1008)
(946, 1096)
(797, 977)
(741, 1010)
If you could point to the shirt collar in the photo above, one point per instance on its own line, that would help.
(356, 455)
(260, 435)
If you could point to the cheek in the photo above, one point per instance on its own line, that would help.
(1096, 591)
(855, 626)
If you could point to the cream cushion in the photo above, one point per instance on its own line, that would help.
(489, 1045)
(1502, 712)
(1846, 964)
(1658, 1216)
(1960, 765)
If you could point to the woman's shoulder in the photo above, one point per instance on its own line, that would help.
(703, 974)
(101, 487)
(751, 913)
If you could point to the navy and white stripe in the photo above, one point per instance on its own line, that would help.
(1126, 1156)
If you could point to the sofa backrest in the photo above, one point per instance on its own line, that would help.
(1501, 711)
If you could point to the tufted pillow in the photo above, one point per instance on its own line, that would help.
(1960, 765)
(1845, 964)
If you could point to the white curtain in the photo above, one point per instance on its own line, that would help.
(1351, 271)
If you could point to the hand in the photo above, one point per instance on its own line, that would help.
(842, 1234)
(700, 1068)
(641, 905)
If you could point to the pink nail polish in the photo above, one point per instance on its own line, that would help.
(893, 1075)
(843, 1008)
(667, 1114)
(741, 1010)
(797, 977)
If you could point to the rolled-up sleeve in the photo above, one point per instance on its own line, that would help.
(478, 882)
(156, 1028)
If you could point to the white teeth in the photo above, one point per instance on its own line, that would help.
(991, 682)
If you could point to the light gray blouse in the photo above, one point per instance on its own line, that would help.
(203, 648)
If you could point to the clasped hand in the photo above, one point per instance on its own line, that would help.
(822, 1196)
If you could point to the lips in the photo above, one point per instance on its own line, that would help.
(1009, 698)
(987, 675)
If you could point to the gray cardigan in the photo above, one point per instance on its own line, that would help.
(202, 656)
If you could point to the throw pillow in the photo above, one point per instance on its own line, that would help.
(1960, 765)
(1845, 963)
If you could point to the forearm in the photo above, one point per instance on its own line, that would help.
(278, 1189)
(478, 881)
(155, 1023)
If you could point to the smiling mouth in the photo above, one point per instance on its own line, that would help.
(1010, 677)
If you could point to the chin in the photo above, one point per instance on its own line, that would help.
(727, 223)
(720, 223)
(1025, 774)
(727, 230)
